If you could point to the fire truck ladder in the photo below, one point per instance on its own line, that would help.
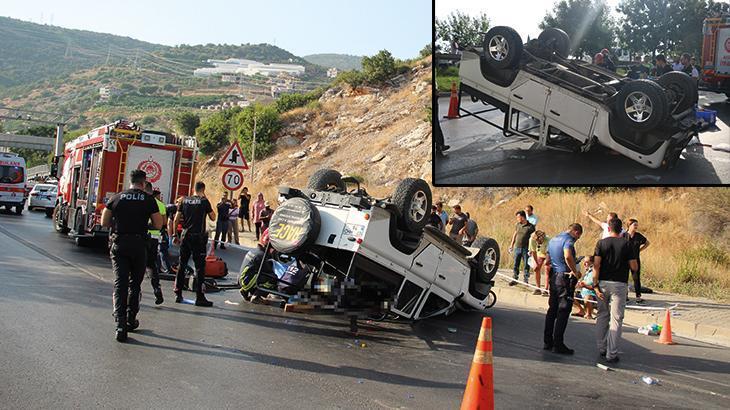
(122, 165)
(185, 172)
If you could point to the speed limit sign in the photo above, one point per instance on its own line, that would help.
(232, 179)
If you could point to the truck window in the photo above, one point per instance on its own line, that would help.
(11, 175)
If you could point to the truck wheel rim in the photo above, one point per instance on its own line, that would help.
(638, 107)
(498, 47)
(490, 260)
(418, 206)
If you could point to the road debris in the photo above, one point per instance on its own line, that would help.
(517, 157)
(650, 330)
(603, 367)
(649, 380)
(452, 330)
(228, 302)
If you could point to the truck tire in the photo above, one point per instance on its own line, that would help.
(487, 259)
(326, 179)
(555, 39)
(683, 88)
(412, 198)
(502, 47)
(294, 226)
(59, 224)
(641, 105)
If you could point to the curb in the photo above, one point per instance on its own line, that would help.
(683, 328)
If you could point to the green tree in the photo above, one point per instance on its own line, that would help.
(379, 67)
(353, 78)
(187, 122)
(587, 22)
(36, 157)
(425, 51)
(267, 124)
(462, 29)
(648, 26)
(213, 133)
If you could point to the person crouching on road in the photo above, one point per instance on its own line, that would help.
(127, 214)
(587, 293)
(193, 242)
(250, 270)
(563, 277)
(614, 256)
(153, 246)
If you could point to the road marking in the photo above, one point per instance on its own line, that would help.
(49, 255)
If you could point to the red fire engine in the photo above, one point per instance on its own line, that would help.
(97, 165)
(716, 55)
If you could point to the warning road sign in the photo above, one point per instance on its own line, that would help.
(233, 158)
(232, 179)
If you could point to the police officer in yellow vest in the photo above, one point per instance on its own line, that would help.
(153, 243)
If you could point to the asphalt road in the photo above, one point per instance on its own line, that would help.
(57, 350)
(481, 155)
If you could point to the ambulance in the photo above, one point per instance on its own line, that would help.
(12, 182)
(98, 164)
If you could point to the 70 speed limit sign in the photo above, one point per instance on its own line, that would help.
(232, 179)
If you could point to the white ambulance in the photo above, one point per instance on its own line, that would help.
(12, 182)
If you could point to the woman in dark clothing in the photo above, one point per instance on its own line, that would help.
(638, 242)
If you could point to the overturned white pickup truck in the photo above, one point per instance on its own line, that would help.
(367, 252)
(577, 105)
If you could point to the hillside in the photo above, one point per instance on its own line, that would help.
(50, 68)
(343, 62)
(381, 135)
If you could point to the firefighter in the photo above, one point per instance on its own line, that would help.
(153, 246)
(128, 213)
(193, 242)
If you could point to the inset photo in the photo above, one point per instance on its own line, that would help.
(577, 92)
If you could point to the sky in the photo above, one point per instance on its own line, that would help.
(522, 15)
(358, 27)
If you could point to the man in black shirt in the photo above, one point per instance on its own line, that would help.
(127, 214)
(244, 200)
(613, 258)
(221, 225)
(192, 211)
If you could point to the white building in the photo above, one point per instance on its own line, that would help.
(236, 66)
(332, 72)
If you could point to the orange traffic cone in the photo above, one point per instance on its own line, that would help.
(665, 337)
(479, 393)
(453, 103)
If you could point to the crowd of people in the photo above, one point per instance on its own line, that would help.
(648, 67)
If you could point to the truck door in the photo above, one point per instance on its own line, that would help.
(409, 296)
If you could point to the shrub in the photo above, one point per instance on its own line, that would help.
(149, 120)
(288, 102)
(267, 123)
(213, 133)
(379, 67)
(353, 78)
(187, 123)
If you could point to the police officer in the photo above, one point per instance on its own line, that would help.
(562, 276)
(153, 245)
(192, 212)
(128, 213)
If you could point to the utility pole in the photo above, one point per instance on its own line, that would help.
(136, 54)
(108, 55)
(253, 144)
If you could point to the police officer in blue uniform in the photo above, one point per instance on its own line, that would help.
(563, 275)
(192, 212)
(127, 214)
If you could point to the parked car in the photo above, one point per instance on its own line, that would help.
(43, 196)
(365, 252)
(578, 105)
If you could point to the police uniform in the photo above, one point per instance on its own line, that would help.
(153, 244)
(194, 210)
(562, 287)
(131, 210)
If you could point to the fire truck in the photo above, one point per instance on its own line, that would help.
(98, 164)
(716, 55)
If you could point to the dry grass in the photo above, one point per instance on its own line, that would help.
(683, 257)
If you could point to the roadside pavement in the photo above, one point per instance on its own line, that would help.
(692, 317)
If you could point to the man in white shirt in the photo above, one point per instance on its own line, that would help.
(604, 225)
(531, 217)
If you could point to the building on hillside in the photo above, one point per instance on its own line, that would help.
(234, 67)
(332, 72)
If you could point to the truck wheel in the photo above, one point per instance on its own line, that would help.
(325, 179)
(641, 105)
(412, 198)
(555, 39)
(487, 259)
(683, 88)
(18, 209)
(294, 226)
(502, 47)
(59, 224)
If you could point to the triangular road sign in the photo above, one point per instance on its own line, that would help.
(233, 158)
